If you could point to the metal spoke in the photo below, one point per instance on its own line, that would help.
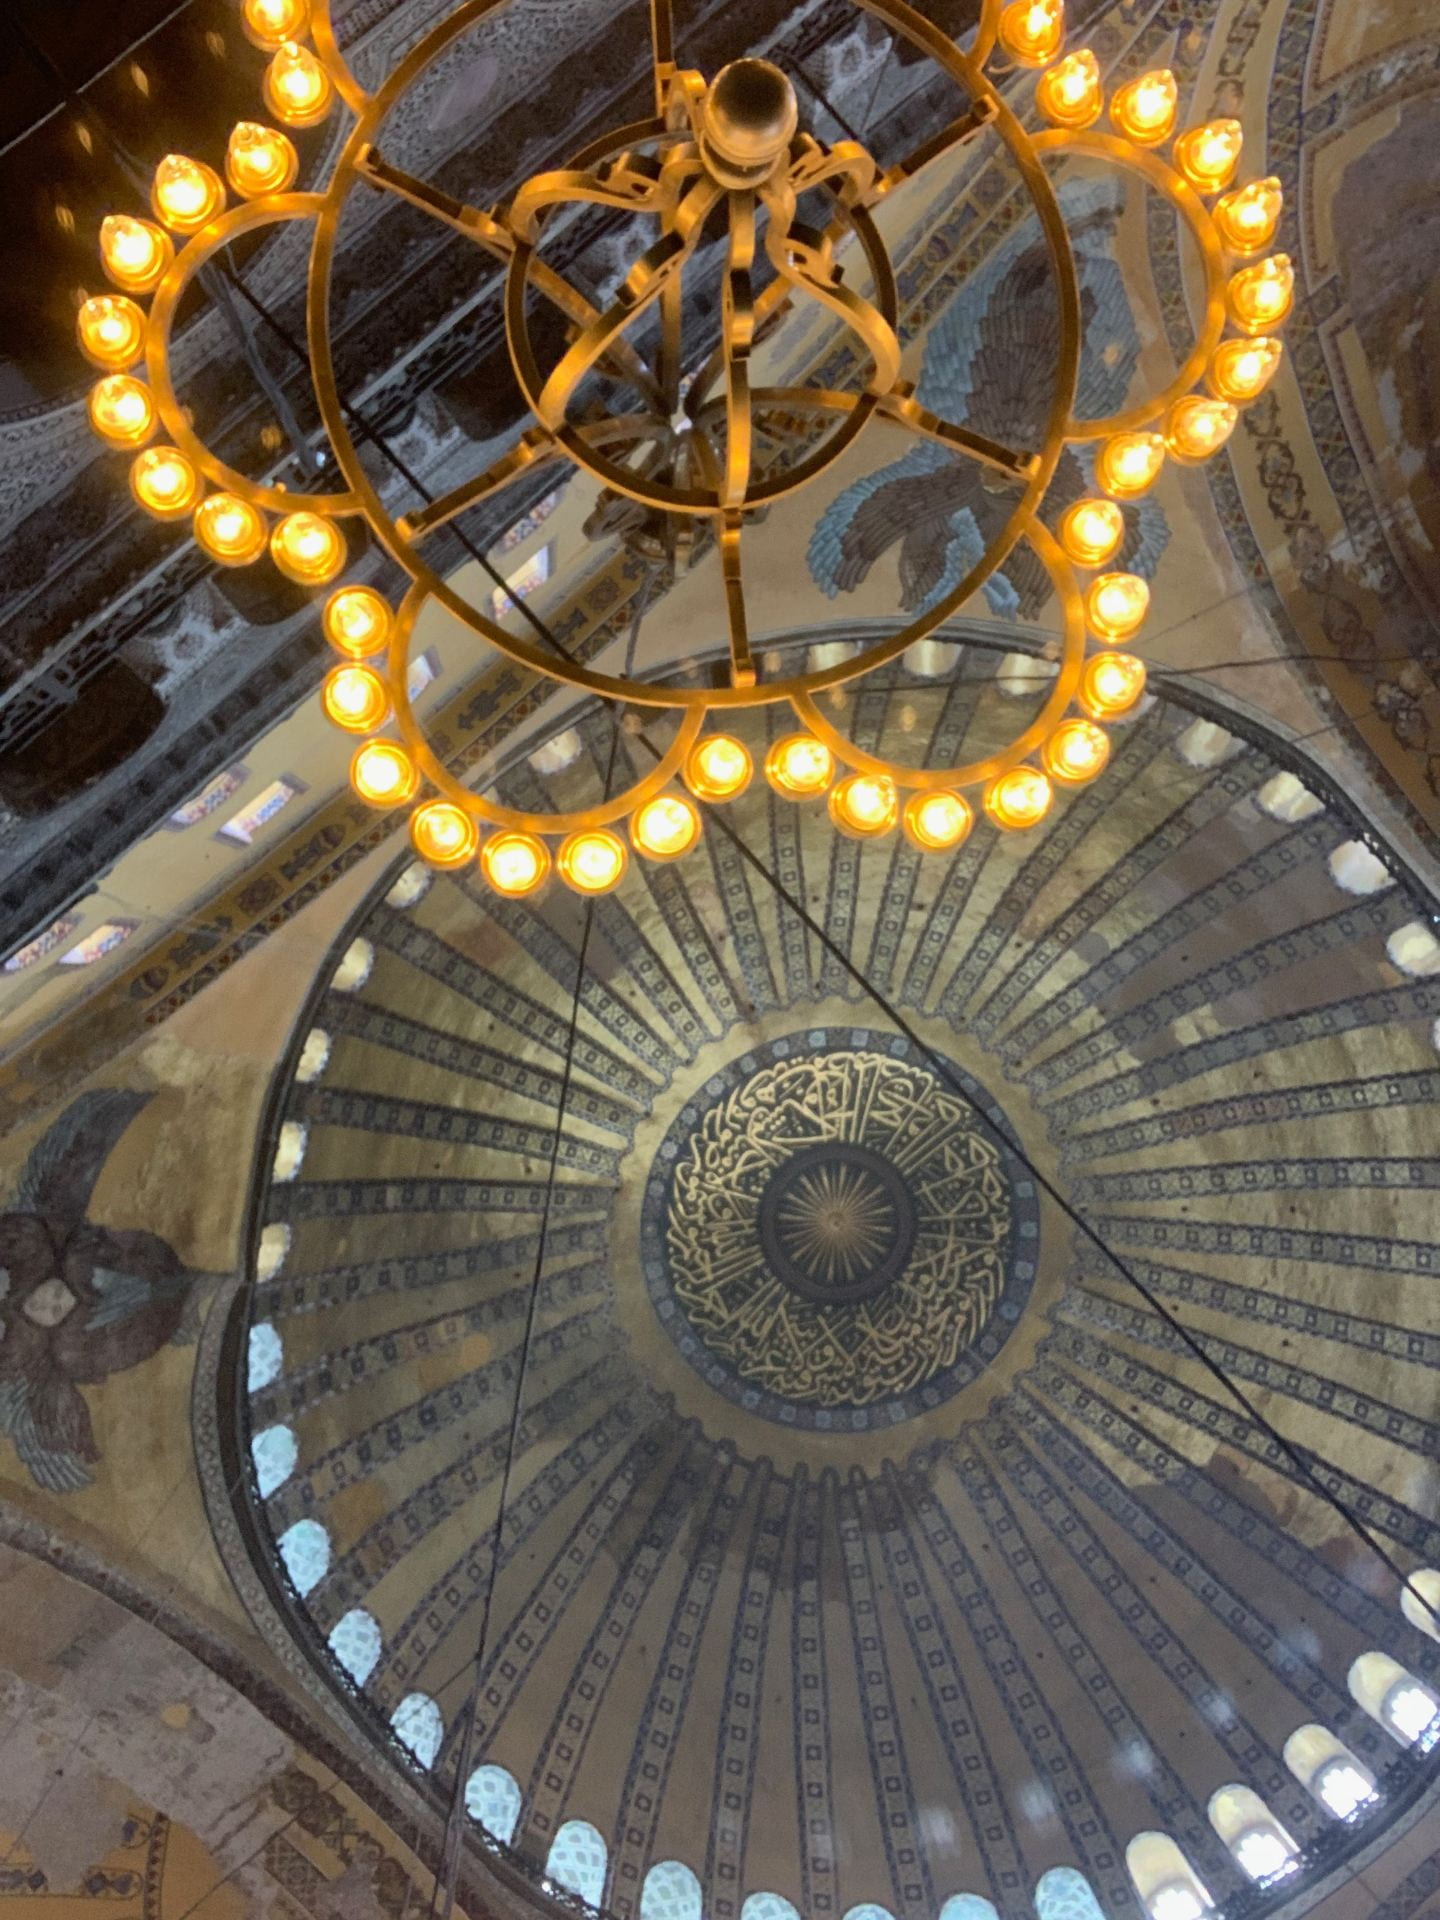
(738, 328)
(901, 406)
(961, 129)
(742, 664)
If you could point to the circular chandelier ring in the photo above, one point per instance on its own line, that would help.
(1196, 215)
(618, 807)
(247, 217)
(322, 32)
(977, 772)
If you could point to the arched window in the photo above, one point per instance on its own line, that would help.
(1356, 869)
(314, 1056)
(1065, 1894)
(290, 1149)
(274, 1452)
(576, 1861)
(417, 1723)
(1393, 1696)
(305, 1550)
(1284, 798)
(966, 1906)
(1420, 1601)
(768, 1906)
(492, 1797)
(271, 1252)
(357, 1643)
(264, 1357)
(1326, 1767)
(1203, 744)
(671, 1892)
(413, 885)
(867, 1910)
(354, 969)
(1168, 1886)
(1261, 1846)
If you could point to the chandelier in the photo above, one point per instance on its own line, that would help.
(721, 169)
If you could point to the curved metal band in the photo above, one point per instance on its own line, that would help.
(322, 32)
(972, 773)
(618, 807)
(186, 264)
(1192, 209)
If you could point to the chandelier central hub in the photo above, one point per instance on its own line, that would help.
(747, 122)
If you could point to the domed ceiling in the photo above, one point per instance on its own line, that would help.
(869, 1536)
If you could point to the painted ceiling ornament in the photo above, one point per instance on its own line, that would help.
(694, 438)
(78, 1301)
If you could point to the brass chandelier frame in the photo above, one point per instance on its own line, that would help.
(728, 152)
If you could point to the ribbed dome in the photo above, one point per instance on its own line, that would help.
(870, 1537)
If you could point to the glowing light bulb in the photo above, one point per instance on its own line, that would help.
(135, 252)
(515, 863)
(165, 483)
(1248, 216)
(1242, 369)
(1111, 684)
(230, 530)
(1144, 110)
(1196, 427)
(665, 827)
(1069, 95)
(269, 23)
(1128, 464)
(1115, 606)
(354, 698)
(1209, 155)
(111, 331)
(718, 767)
(122, 410)
(1031, 31)
(1075, 752)
(1018, 799)
(592, 860)
(260, 160)
(383, 774)
(297, 88)
(799, 765)
(1261, 296)
(308, 548)
(1091, 531)
(186, 194)
(443, 834)
(864, 805)
(358, 622)
(938, 821)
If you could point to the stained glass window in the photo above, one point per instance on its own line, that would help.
(208, 798)
(768, 1906)
(96, 945)
(242, 827)
(274, 1452)
(418, 1725)
(968, 1906)
(671, 1892)
(265, 1357)
(577, 1861)
(1065, 1894)
(43, 943)
(305, 1550)
(357, 1643)
(492, 1796)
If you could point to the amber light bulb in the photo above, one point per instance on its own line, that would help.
(1069, 95)
(1209, 155)
(1128, 464)
(1240, 370)
(135, 253)
(1019, 798)
(1091, 531)
(1116, 605)
(1111, 684)
(297, 88)
(187, 194)
(718, 767)
(1196, 427)
(1248, 216)
(260, 160)
(1260, 297)
(1075, 752)
(308, 548)
(111, 331)
(1031, 31)
(165, 483)
(383, 774)
(443, 834)
(122, 410)
(230, 530)
(799, 765)
(592, 860)
(1144, 110)
(936, 822)
(355, 698)
(358, 622)
(864, 805)
(269, 23)
(665, 827)
(515, 863)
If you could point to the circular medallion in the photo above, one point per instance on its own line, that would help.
(832, 1236)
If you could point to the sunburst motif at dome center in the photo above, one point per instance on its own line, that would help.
(836, 1222)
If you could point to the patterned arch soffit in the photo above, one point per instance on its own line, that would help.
(218, 1392)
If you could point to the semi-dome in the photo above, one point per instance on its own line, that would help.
(873, 1540)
